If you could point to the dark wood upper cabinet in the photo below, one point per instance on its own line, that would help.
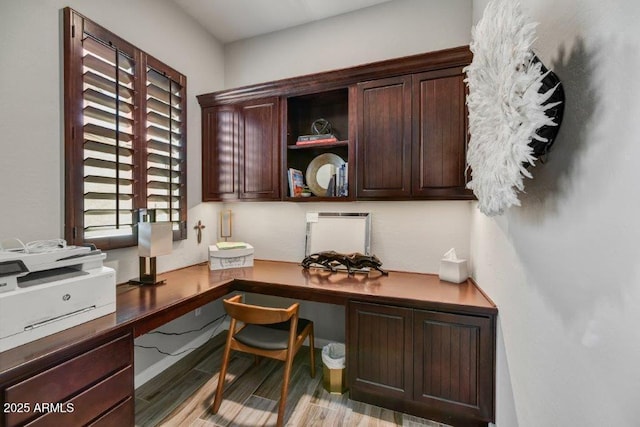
(411, 137)
(439, 134)
(219, 153)
(384, 138)
(400, 125)
(259, 153)
(240, 151)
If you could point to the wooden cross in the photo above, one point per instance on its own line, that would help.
(199, 226)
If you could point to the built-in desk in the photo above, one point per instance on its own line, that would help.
(415, 344)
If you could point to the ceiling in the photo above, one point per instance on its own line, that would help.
(231, 20)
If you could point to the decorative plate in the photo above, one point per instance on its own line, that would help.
(318, 172)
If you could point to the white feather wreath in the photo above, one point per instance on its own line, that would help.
(505, 105)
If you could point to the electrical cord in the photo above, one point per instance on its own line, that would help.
(12, 245)
(39, 246)
(34, 247)
(188, 332)
(213, 333)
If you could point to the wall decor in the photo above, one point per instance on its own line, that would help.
(321, 171)
(515, 106)
(353, 262)
(344, 232)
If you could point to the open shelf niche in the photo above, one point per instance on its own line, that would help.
(302, 111)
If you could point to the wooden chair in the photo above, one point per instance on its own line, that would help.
(276, 333)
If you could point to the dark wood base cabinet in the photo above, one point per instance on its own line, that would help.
(433, 364)
(91, 385)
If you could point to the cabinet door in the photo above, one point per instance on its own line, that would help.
(454, 363)
(439, 134)
(259, 150)
(384, 138)
(380, 353)
(219, 153)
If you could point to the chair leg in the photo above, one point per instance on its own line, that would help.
(312, 353)
(285, 387)
(223, 373)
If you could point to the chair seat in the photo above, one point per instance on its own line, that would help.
(274, 336)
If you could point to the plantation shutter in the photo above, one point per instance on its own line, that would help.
(165, 146)
(108, 134)
(125, 137)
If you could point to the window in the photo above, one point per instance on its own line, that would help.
(125, 137)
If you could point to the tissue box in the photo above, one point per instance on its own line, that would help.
(221, 259)
(453, 270)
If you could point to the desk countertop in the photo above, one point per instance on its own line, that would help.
(142, 309)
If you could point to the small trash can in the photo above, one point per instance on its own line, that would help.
(333, 368)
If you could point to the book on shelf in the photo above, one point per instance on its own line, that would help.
(303, 138)
(331, 188)
(339, 183)
(316, 139)
(342, 181)
(317, 142)
(296, 182)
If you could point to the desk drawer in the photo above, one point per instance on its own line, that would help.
(96, 400)
(121, 415)
(61, 382)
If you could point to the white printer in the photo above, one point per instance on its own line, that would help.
(46, 292)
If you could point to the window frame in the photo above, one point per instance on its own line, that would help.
(75, 26)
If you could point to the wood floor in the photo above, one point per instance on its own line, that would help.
(182, 395)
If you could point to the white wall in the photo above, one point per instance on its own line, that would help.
(389, 30)
(406, 236)
(563, 268)
(31, 119)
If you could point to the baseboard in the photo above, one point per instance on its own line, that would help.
(320, 342)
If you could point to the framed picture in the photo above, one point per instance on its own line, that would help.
(342, 232)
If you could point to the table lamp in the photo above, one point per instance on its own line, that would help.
(154, 239)
(225, 224)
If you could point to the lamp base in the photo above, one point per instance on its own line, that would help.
(145, 282)
(147, 273)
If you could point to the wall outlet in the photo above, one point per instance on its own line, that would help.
(198, 311)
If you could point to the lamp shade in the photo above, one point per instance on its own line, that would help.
(154, 239)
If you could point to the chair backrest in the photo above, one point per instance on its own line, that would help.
(258, 315)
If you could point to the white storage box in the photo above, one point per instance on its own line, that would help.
(453, 270)
(221, 259)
